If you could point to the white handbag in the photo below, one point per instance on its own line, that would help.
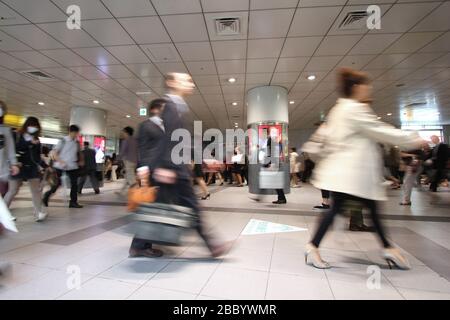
(271, 179)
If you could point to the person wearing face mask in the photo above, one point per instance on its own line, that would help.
(8, 160)
(28, 149)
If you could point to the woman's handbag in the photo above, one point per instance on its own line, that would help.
(141, 192)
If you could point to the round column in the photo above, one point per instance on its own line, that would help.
(92, 123)
(267, 112)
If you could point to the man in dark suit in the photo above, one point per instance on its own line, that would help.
(150, 141)
(439, 156)
(174, 179)
(90, 169)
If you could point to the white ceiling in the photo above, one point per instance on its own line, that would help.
(125, 47)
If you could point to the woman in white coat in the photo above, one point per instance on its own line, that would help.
(351, 166)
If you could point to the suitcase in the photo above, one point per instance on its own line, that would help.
(271, 179)
(162, 223)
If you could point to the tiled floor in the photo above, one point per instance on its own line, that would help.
(94, 241)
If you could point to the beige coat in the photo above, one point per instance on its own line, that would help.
(352, 161)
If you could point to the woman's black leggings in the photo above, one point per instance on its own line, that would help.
(336, 207)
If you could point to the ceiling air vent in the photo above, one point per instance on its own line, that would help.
(37, 75)
(227, 26)
(354, 20)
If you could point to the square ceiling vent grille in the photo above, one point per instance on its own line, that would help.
(227, 26)
(354, 20)
(37, 75)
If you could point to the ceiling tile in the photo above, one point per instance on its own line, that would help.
(195, 51)
(322, 63)
(337, 45)
(441, 44)
(356, 62)
(10, 16)
(63, 74)
(36, 59)
(210, 19)
(8, 43)
(261, 65)
(139, 8)
(172, 67)
(233, 49)
(128, 54)
(385, 61)
(176, 6)
(201, 67)
(144, 70)
(436, 21)
(230, 66)
(89, 9)
(162, 52)
(402, 17)
(264, 48)
(220, 5)
(270, 23)
(313, 21)
(374, 43)
(108, 32)
(303, 46)
(186, 28)
(10, 62)
(285, 77)
(139, 29)
(116, 71)
(97, 56)
(272, 4)
(206, 80)
(411, 42)
(65, 57)
(417, 60)
(89, 72)
(32, 36)
(291, 64)
(321, 3)
(257, 78)
(37, 10)
(70, 38)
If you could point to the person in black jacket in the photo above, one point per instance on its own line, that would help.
(28, 148)
(90, 169)
(439, 157)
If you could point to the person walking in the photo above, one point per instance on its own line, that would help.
(67, 160)
(89, 169)
(128, 154)
(351, 166)
(294, 166)
(439, 158)
(8, 160)
(28, 148)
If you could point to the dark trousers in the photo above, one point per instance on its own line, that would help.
(338, 201)
(325, 194)
(436, 178)
(280, 193)
(180, 193)
(92, 177)
(73, 176)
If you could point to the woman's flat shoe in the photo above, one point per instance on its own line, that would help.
(394, 258)
(312, 255)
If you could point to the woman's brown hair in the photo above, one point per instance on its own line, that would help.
(347, 78)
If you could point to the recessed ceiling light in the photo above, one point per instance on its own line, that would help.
(41, 103)
(234, 103)
(389, 114)
(291, 102)
(231, 80)
(311, 77)
(96, 102)
(128, 116)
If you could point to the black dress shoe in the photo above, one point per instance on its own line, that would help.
(149, 253)
(97, 191)
(75, 205)
(279, 202)
(362, 228)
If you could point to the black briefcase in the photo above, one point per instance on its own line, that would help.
(162, 223)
